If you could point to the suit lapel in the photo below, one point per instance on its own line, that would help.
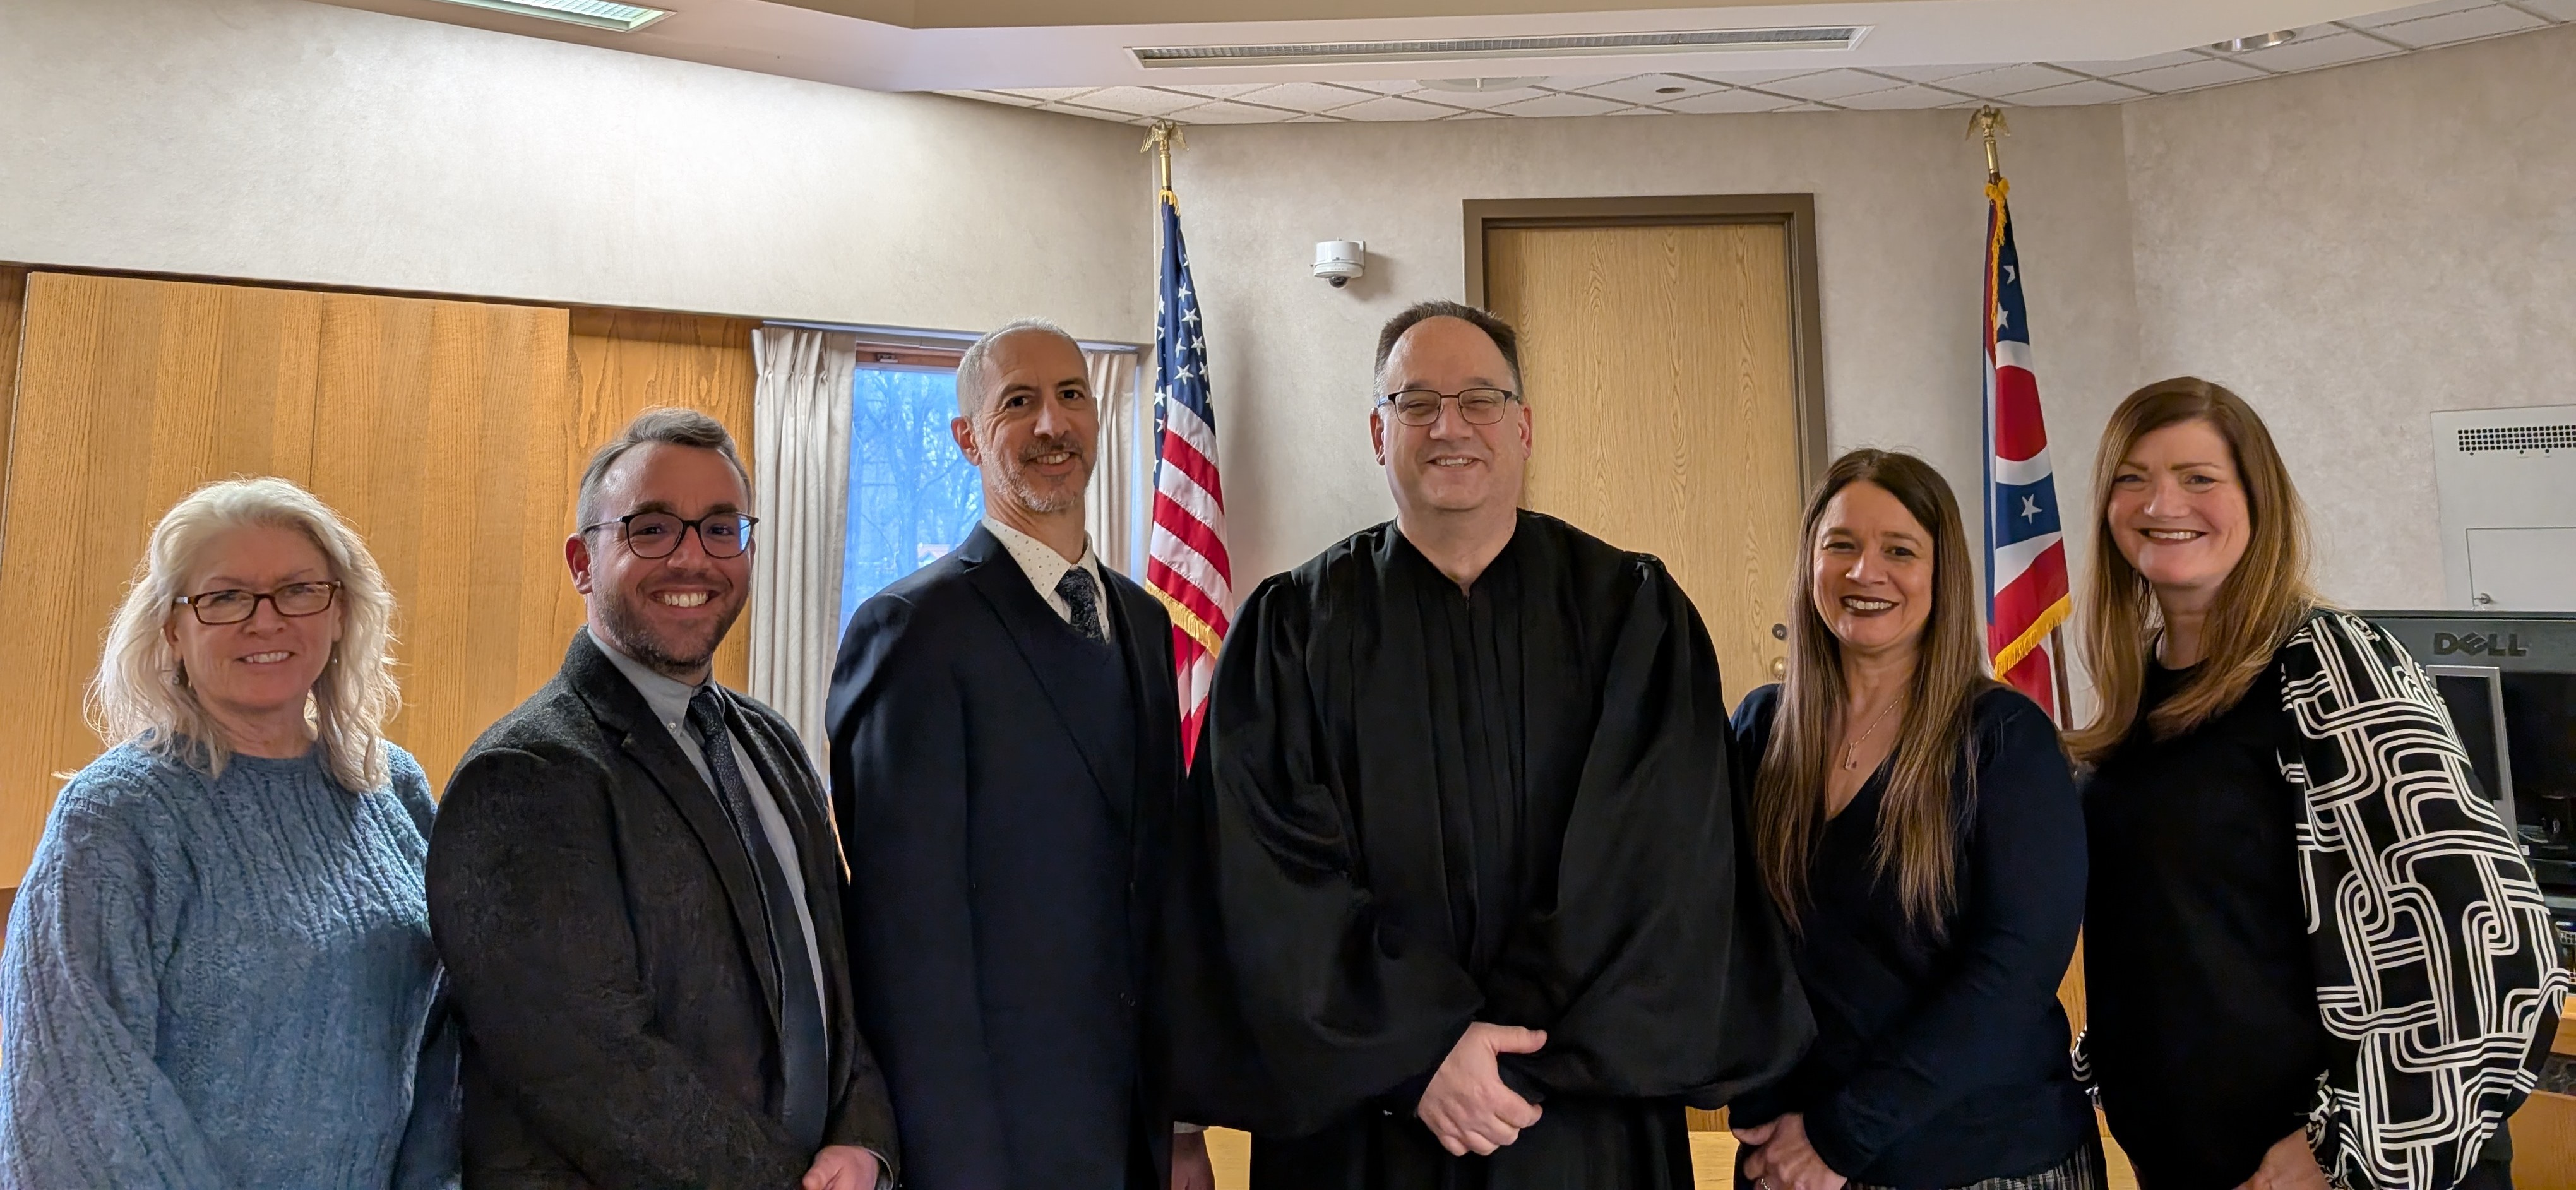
(797, 791)
(1006, 588)
(622, 711)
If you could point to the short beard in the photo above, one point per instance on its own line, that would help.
(1027, 495)
(634, 636)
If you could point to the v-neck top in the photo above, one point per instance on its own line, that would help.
(1941, 1060)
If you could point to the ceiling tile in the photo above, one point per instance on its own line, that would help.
(1228, 112)
(1749, 78)
(2334, 49)
(1729, 101)
(1388, 107)
(996, 97)
(2133, 65)
(1135, 101)
(1901, 98)
(2556, 10)
(1216, 90)
(1832, 84)
(2009, 80)
(1641, 110)
(2071, 94)
(1650, 88)
(1387, 86)
(1485, 100)
(2460, 26)
(1312, 119)
(1469, 116)
(1934, 74)
(2208, 72)
(1811, 107)
(1045, 94)
(1561, 105)
(2413, 12)
(1093, 113)
(1305, 97)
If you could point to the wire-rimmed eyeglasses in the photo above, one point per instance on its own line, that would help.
(1476, 406)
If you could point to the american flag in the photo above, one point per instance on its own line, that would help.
(1185, 562)
(2026, 595)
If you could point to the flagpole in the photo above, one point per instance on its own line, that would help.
(1160, 140)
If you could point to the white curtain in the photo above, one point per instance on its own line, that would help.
(1114, 508)
(800, 457)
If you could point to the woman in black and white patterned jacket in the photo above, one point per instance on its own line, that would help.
(2313, 954)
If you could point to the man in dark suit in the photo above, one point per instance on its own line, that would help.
(634, 885)
(1005, 757)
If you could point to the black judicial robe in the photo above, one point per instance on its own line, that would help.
(1429, 807)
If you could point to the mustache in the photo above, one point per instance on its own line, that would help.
(1047, 444)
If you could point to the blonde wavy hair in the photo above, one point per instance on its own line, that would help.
(141, 694)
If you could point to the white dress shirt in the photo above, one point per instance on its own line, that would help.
(1046, 568)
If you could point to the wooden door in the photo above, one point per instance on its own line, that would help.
(1660, 367)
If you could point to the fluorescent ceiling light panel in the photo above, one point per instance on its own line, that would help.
(1834, 37)
(597, 14)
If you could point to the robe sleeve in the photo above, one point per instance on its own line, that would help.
(2008, 948)
(1660, 968)
(82, 1101)
(2427, 929)
(1342, 1006)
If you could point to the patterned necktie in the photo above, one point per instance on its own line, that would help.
(1083, 596)
(801, 1044)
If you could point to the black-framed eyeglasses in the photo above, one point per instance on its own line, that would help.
(1476, 406)
(657, 534)
(231, 606)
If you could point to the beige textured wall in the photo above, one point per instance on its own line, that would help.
(280, 140)
(2356, 248)
(1900, 226)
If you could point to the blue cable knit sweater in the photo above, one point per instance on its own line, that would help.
(225, 983)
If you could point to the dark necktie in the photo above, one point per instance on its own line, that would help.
(800, 1013)
(1083, 596)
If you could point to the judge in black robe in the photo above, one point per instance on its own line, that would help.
(1432, 804)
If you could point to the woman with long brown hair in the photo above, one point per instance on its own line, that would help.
(1918, 827)
(2312, 950)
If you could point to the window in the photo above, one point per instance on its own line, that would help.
(913, 497)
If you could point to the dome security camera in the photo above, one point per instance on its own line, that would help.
(1339, 261)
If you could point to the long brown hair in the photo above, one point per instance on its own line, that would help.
(1918, 824)
(2258, 604)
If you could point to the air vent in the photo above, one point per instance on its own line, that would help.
(2495, 438)
(1833, 37)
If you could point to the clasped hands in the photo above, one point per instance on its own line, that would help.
(1467, 1107)
(1776, 1156)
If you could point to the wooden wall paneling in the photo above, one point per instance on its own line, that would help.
(446, 428)
(626, 361)
(13, 317)
(131, 393)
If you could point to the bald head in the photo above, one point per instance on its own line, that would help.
(977, 373)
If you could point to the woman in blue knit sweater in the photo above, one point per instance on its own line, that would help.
(219, 970)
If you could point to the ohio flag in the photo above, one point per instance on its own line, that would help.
(2026, 595)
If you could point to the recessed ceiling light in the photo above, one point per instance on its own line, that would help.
(596, 14)
(1474, 86)
(2260, 41)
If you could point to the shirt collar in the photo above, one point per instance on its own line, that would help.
(1039, 561)
(668, 696)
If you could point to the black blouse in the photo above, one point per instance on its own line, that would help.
(1942, 1062)
(2205, 1037)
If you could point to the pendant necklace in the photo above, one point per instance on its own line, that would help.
(1851, 751)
